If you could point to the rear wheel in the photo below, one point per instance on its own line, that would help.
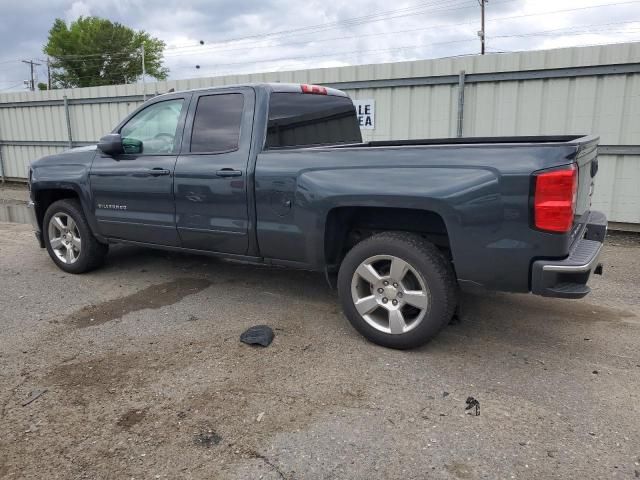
(397, 289)
(68, 238)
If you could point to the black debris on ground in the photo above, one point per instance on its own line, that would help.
(258, 335)
(207, 439)
(472, 402)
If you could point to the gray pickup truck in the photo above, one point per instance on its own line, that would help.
(278, 174)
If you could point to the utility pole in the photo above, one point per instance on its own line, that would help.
(48, 73)
(144, 72)
(32, 82)
(481, 33)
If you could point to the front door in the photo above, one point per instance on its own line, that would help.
(211, 172)
(133, 192)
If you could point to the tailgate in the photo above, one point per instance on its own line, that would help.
(587, 160)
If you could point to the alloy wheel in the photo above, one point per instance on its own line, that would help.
(389, 294)
(64, 238)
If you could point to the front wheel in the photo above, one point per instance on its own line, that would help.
(68, 238)
(397, 289)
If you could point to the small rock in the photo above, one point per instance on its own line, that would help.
(260, 416)
(445, 394)
(595, 372)
(258, 335)
(34, 395)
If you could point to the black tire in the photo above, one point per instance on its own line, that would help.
(92, 252)
(427, 261)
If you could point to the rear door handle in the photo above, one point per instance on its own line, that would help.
(229, 172)
(156, 172)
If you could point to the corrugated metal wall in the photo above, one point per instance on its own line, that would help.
(14, 213)
(589, 90)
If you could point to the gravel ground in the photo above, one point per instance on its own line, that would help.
(145, 377)
(13, 192)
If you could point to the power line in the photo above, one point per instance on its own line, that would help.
(421, 8)
(448, 25)
(12, 86)
(354, 21)
(571, 32)
(357, 20)
(462, 23)
(298, 31)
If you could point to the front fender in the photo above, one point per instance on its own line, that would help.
(69, 172)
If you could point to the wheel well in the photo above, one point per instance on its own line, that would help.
(347, 226)
(44, 198)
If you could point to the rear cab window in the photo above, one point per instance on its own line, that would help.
(304, 120)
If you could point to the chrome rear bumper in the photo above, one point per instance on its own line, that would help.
(568, 278)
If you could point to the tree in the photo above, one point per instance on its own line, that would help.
(94, 51)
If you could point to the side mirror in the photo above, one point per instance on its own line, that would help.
(111, 144)
(114, 144)
(132, 145)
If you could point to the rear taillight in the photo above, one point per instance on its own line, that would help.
(314, 89)
(554, 200)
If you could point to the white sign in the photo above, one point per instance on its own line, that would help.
(366, 111)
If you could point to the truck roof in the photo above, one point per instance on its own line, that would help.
(272, 87)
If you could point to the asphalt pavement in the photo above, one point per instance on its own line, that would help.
(136, 371)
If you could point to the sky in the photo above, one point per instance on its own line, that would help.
(245, 36)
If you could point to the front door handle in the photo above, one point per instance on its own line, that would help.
(229, 172)
(156, 172)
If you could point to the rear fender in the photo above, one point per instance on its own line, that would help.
(462, 197)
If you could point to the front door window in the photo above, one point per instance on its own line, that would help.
(154, 129)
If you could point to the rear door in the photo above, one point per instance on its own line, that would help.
(133, 192)
(211, 172)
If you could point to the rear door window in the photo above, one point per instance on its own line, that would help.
(216, 127)
(298, 120)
